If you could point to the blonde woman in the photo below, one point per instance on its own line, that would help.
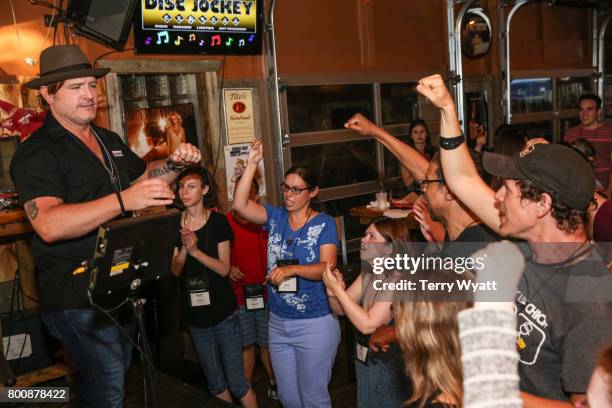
(427, 332)
(175, 132)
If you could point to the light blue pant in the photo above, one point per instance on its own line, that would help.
(302, 353)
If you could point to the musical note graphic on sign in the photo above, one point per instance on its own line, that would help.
(192, 37)
(201, 43)
(148, 41)
(178, 40)
(163, 34)
(229, 41)
(241, 42)
(252, 38)
(216, 40)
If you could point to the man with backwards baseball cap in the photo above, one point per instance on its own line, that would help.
(563, 302)
(72, 176)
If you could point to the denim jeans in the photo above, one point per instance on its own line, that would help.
(219, 350)
(100, 351)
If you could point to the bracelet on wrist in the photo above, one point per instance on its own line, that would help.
(450, 143)
(123, 212)
(174, 166)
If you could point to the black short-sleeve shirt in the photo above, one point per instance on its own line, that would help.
(222, 299)
(53, 162)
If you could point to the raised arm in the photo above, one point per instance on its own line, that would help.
(248, 209)
(459, 170)
(410, 159)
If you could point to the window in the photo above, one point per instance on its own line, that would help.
(353, 229)
(569, 90)
(339, 163)
(326, 107)
(351, 167)
(531, 95)
(399, 103)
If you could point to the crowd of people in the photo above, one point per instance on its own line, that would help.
(264, 277)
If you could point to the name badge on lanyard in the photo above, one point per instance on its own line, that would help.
(199, 293)
(254, 297)
(289, 285)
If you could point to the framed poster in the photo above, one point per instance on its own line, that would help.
(239, 115)
(235, 162)
(154, 133)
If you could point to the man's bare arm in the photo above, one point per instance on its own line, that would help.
(459, 170)
(410, 158)
(53, 220)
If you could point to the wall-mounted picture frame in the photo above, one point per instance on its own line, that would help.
(154, 133)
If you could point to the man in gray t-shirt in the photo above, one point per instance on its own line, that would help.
(563, 315)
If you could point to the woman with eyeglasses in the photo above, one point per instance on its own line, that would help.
(381, 381)
(303, 334)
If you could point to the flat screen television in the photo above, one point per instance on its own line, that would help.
(214, 27)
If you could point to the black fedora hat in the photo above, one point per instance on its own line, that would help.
(61, 62)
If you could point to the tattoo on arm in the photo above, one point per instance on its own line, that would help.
(31, 209)
(159, 171)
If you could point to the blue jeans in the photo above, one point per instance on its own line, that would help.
(219, 350)
(302, 353)
(100, 352)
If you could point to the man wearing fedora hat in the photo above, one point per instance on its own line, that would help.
(72, 176)
(563, 303)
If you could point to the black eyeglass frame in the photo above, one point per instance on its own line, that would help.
(294, 190)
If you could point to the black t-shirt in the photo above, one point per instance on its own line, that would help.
(53, 162)
(222, 299)
(564, 316)
(470, 240)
